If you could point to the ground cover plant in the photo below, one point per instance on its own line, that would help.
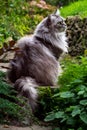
(18, 18)
(75, 8)
(67, 107)
(61, 2)
(11, 22)
(12, 108)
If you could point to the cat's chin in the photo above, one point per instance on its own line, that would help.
(61, 30)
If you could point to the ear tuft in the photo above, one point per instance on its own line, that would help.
(49, 20)
(57, 12)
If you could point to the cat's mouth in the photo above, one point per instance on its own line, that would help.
(63, 28)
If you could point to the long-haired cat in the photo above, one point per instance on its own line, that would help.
(36, 62)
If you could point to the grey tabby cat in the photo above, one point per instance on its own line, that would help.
(36, 62)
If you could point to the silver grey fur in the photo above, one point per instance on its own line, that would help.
(36, 62)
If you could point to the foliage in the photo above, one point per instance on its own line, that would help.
(46, 102)
(63, 2)
(18, 17)
(11, 107)
(76, 68)
(76, 8)
(12, 19)
(67, 108)
(71, 107)
(77, 36)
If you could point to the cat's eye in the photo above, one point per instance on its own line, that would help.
(61, 22)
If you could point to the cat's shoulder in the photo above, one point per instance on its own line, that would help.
(25, 41)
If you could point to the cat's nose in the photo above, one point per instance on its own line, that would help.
(64, 24)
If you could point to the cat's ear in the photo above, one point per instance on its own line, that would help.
(49, 20)
(57, 12)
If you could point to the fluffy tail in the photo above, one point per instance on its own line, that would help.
(26, 86)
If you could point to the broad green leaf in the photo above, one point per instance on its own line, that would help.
(76, 111)
(56, 95)
(79, 128)
(66, 94)
(81, 92)
(70, 109)
(59, 114)
(83, 102)
(82, 87)
(83, 117)
(77, 81)
(50, 117)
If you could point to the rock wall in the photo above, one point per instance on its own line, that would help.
(77, 35)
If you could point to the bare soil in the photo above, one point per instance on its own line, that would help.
(34, 127)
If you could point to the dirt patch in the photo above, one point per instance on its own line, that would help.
(34, 127)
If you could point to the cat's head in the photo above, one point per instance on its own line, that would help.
(53, 23)
(56, 23)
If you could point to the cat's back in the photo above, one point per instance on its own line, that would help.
(25, 40)
(38, 59)
(34, 48)
(41, 64)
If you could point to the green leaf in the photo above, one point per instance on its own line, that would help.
(83, 117)
(66, 94)
(50, 117)
(70, 121)
(76, 111)
(64, 119)
(56, 95)
(79, 128)
(81, 92)
(83, 102)
(59, 114)
(77, 81)
(70, 109)
(85, 95)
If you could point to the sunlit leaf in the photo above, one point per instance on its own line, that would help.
(83, 102)
(59, 114)
(83, 117)
(50, 117)
(76, 111)
(67, 94)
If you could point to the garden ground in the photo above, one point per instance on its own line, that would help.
(34, 127)
(3, 67)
